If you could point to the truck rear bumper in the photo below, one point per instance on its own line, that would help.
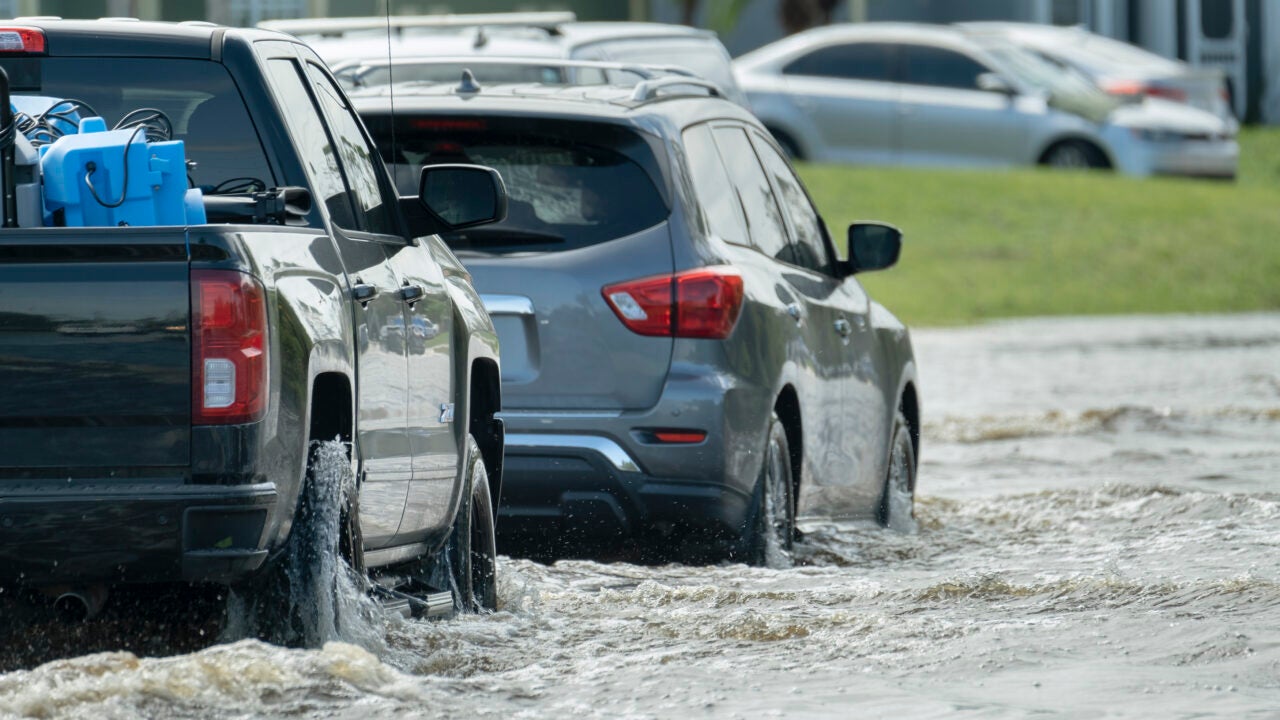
(107, 532)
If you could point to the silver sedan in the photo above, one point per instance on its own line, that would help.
(889, 93)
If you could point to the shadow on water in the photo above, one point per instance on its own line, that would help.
(148, 622)
(308, 600)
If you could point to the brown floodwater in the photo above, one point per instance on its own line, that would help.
(1098, 535)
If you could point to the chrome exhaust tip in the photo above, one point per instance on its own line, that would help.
(80, 604)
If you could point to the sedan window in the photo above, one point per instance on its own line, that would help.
(925, 65)
(856, 61)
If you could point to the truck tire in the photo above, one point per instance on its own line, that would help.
(472, 547)
(295, 600)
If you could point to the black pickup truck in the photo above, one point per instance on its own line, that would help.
(167, 391)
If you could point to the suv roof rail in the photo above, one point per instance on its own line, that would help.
(337, 26)
(644, 71)
(649, 90)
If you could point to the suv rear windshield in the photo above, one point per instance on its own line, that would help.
(197, 98)
(569, 184)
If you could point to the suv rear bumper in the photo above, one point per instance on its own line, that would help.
(588, 487)
(601, 475)
(154, 531)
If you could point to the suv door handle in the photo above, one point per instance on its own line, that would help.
(363, 293)
(412, 293)
(843, 327)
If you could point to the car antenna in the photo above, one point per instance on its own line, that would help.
(468, 84)
(391, 92)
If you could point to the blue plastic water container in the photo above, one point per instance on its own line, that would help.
(156, 194)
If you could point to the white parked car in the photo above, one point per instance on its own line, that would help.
(889, 93)
(529, 34)
(1119, 68)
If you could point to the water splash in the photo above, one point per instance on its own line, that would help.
(313, 596)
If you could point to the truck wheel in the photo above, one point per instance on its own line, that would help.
(295, 601)
(472, 548)
(769, 539)
(897, 500)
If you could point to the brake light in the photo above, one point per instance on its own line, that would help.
(1134, 88)
(1168, 93)
(702, 303)
(22, 40)
(447, 124)
(1123, 87)
(228, 347)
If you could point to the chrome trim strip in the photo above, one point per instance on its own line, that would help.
(559, 414)
(611, 450)
(507, 304)
(393, 555)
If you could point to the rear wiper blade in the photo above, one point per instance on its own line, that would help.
(499, 236)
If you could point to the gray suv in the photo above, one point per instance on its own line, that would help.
(686, 362)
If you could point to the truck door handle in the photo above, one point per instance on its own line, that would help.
(412, 293)
(843, 327)
(362, 293)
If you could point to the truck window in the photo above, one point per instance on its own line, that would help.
(198, 97)
(314, 148)
(357, 157)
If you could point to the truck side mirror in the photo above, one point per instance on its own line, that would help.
(463, 196)
(872, 246)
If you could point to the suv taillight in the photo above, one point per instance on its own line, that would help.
(702, 303)
(228, 348)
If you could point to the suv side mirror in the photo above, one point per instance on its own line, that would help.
(991, 82)
(461, 196)
(872, 246)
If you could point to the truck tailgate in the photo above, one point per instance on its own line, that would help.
(95, 365)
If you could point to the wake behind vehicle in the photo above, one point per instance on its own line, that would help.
(916, 94)
(175, 390)
(686, 362)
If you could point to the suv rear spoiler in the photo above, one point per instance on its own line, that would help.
(339, 26)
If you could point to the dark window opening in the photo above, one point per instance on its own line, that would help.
(857, 61)
(569, 185)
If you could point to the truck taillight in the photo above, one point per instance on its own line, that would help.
(702, 303)
(228, 348)
(25, 40)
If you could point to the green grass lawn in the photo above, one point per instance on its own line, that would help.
(988, 244)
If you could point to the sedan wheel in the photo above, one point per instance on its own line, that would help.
(1074, 155)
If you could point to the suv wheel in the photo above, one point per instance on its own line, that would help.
(897, 501)
(773, 530)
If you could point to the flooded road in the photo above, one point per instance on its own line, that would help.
(1099, 535)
